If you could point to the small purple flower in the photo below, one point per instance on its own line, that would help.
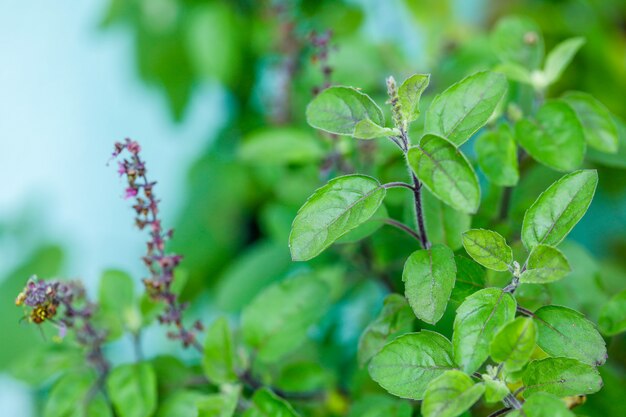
(121, 168)
(130, 192)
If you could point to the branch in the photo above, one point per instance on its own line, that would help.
(398, 184)
(403, 227)
(500, 412)
(419, 213)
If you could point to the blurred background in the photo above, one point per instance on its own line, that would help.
(202, 85)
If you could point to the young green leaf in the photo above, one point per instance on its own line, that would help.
(377, 405)
(69, 394)
(613, 315)
(518, 40)
(445, 171)
(265, 404)
(395, 318)
(598, 125)
(470, 277)
(559, 58)
(117, 303)
(545, 264)
(180, 404)
(133, 390)
(409, 95)
(443, 223)
(497, 156)
(218, 360)
(555, 137)
(458, 113)
(515, 72)
(366, 129)
(557, 210)
(543, 404)
(450, 395)
(339, 110)
(222, 404)
(407, 365)
(567, 333)
(561, 376)
(478, 319)
(488, 248)
(615, 160)
(331, 212)
(281, 146)
(514, 344)
(495, 389)
(278, 319)
(428, 281)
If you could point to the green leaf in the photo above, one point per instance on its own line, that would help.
(477, 321)
(222, 404)
(561, 376)
(180, 404)
(276, 322)
(615, 160)
(366, 129)
(567, 333)
(368, 228)
(514, 344)
(68, 395)
(409, 95)
(395, 318)
(557, 210)
(545, 264)
(133, 390)
(280, 146)
(470, 277)
(304, 376)
(488, 248)
(497, 156)
(378, 405)
(515, 72)
(613, 315)
(339, 110)
(458, 113)
(559, 58)
(495, 389)
(445, 171)
(443, 223)
(598, 125)
(40, 365)
(543, 404)
(518, 40)
(331, 212)
(267, 404)
(450, 395)
(218, 360)
(428, 278)
(407, 365)
(555, 137)
(117, 303)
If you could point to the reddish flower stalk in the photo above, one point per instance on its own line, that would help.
(160, 264)
(65, 305)
(321, 48)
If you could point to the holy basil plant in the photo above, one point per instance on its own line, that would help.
(473, 306)
(497, 350)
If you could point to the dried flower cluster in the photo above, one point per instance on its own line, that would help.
(65, 305)
(160, 264)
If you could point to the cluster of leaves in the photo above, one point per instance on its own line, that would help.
(550, 353)
(278, 357)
